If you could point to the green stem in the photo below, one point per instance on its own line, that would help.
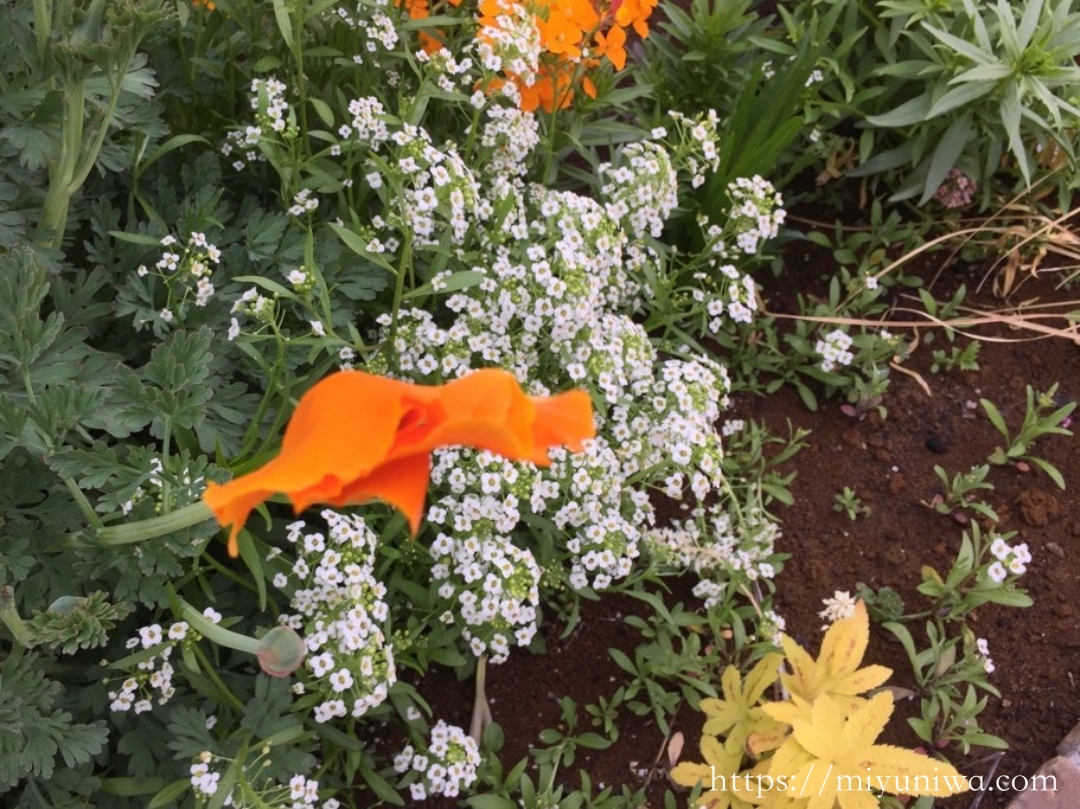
(155, 527)
(42, 27)
(211, 672)
(301, 76)
(10, 617)
(87, 510)
(228, 573)
(399, 291)
(76, 158)
(166, 486)
(217, 633)
(61, 173)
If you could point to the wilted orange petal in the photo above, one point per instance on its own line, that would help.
(356, 437)
(402, 483)
(563, 420)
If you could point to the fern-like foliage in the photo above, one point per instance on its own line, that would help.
(34, 728)
(72, 623)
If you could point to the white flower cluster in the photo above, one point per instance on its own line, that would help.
(448, 765)
(834, 350)
(377, 26)
(255, 305)
(983, 649)
(339, 609)
(509, 41)
(300, 793)
(756, 213)
(643, 189)
(272, 114)
(438, 191)
(511, 135)
(715, 545)
(492, 584)
(303, 203)
(547, 309)
(703, 139)
(368, 123)
(599, 513)
(190, 269)
(203, 780)
(771, 626)
(153, 676)
(443, 65)
(840, 606)
(1007, 560)
(674, 426)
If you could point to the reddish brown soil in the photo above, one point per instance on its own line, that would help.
(889, 463)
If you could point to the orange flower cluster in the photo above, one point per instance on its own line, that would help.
(574, 37)
(420, 10)
(355, 437)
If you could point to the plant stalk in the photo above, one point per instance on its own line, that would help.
(481, 713)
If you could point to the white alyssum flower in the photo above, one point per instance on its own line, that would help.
(447, 767)
(834, 350)
(339, 609)
(841, 605)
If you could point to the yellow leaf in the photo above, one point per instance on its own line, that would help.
(836, 671)
(737, 711)
(912, 774)
(845, 641)
(842, 762)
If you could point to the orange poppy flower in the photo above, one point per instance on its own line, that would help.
(356, 437)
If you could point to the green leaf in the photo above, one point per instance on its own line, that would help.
(995, 417)
(593, 741)
(961, 46)
(169, 794)
(354, 242)
(269, 711)
(463, 279)
(910, 112)
(284, 22)
(1049, 469)
(983, 73)
(253, 559)
(136, 238)
(946, 155)
(379, 785)
(34, 730)
(623, 661)
(959, 96)
(171, 145)
(1011, 109)
(323, 110)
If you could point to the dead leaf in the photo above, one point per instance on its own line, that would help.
(674, 748)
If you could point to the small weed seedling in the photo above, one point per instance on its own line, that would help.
(1042, 416)
(956, 359)
(953, 667)
(850, 504)
(956, 496)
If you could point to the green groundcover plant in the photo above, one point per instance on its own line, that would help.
(204, 210)
(208, 208)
